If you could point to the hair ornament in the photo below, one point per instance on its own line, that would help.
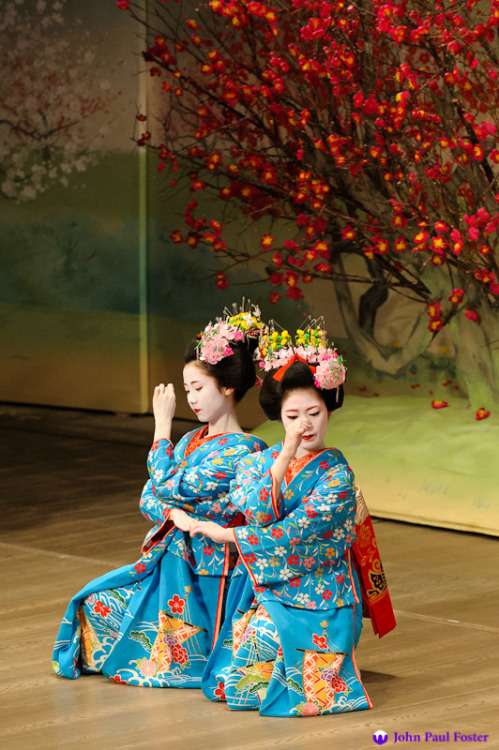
(279, 350)
(235, 326)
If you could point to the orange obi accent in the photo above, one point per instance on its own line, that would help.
(295, 358)
(376, 602)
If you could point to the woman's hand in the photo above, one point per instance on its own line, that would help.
(294, 433)
(295, 430)
(213, 531)
(163, 405)
(181, 519)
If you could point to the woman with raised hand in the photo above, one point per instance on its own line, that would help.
(153, 623)
(294, 611)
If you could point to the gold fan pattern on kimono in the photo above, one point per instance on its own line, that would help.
(89, 640)
(179, 630)
(256, 677)
(320, 689)
(238, 628)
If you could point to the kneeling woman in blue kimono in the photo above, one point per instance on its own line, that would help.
(294, 611)
(154, 622)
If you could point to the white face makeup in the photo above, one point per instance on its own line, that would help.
(307, 404)
(205, 398)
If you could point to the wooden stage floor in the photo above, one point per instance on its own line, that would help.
(70, 484)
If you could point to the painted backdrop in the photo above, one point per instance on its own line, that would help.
(97, 302)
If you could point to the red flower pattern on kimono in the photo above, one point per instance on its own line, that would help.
(101, 608)
(320, 641)
(176, 604)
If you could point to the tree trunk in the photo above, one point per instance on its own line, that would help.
(476, 344)
(394, 363)
(477, 356)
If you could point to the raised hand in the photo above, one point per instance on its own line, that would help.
(163, 405)
(295, 431)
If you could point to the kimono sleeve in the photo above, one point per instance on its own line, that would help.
(151, 506)
(314, 535)
(180, 484)
(253, 490)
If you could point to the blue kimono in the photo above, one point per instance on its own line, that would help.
(293, 614)
(154, 622)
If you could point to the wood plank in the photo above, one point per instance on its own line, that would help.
(69, 510)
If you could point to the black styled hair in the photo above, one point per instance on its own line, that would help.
(298, 376)
(235, 371)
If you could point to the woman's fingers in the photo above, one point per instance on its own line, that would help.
(164, 401)
(196, 528)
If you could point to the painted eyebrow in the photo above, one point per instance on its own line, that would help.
(292, 411)
(193, 382)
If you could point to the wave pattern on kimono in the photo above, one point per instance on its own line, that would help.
(153, 623)
(293, 615)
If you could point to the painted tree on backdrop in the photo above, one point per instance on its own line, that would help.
(48, 94)
(370, 128)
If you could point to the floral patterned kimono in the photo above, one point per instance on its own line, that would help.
(154, 622)
(294, 614)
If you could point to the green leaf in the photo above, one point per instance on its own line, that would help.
(293, 685)
(117, 595)
(136, 635)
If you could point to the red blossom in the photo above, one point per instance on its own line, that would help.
(222, 282)
(482, 414)
(434, 310)
(435, 324)
(436, 404)
(471, 315)
(144, 138)
(267, 241)
(437, 260)
(176, 236)
(456, 296)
